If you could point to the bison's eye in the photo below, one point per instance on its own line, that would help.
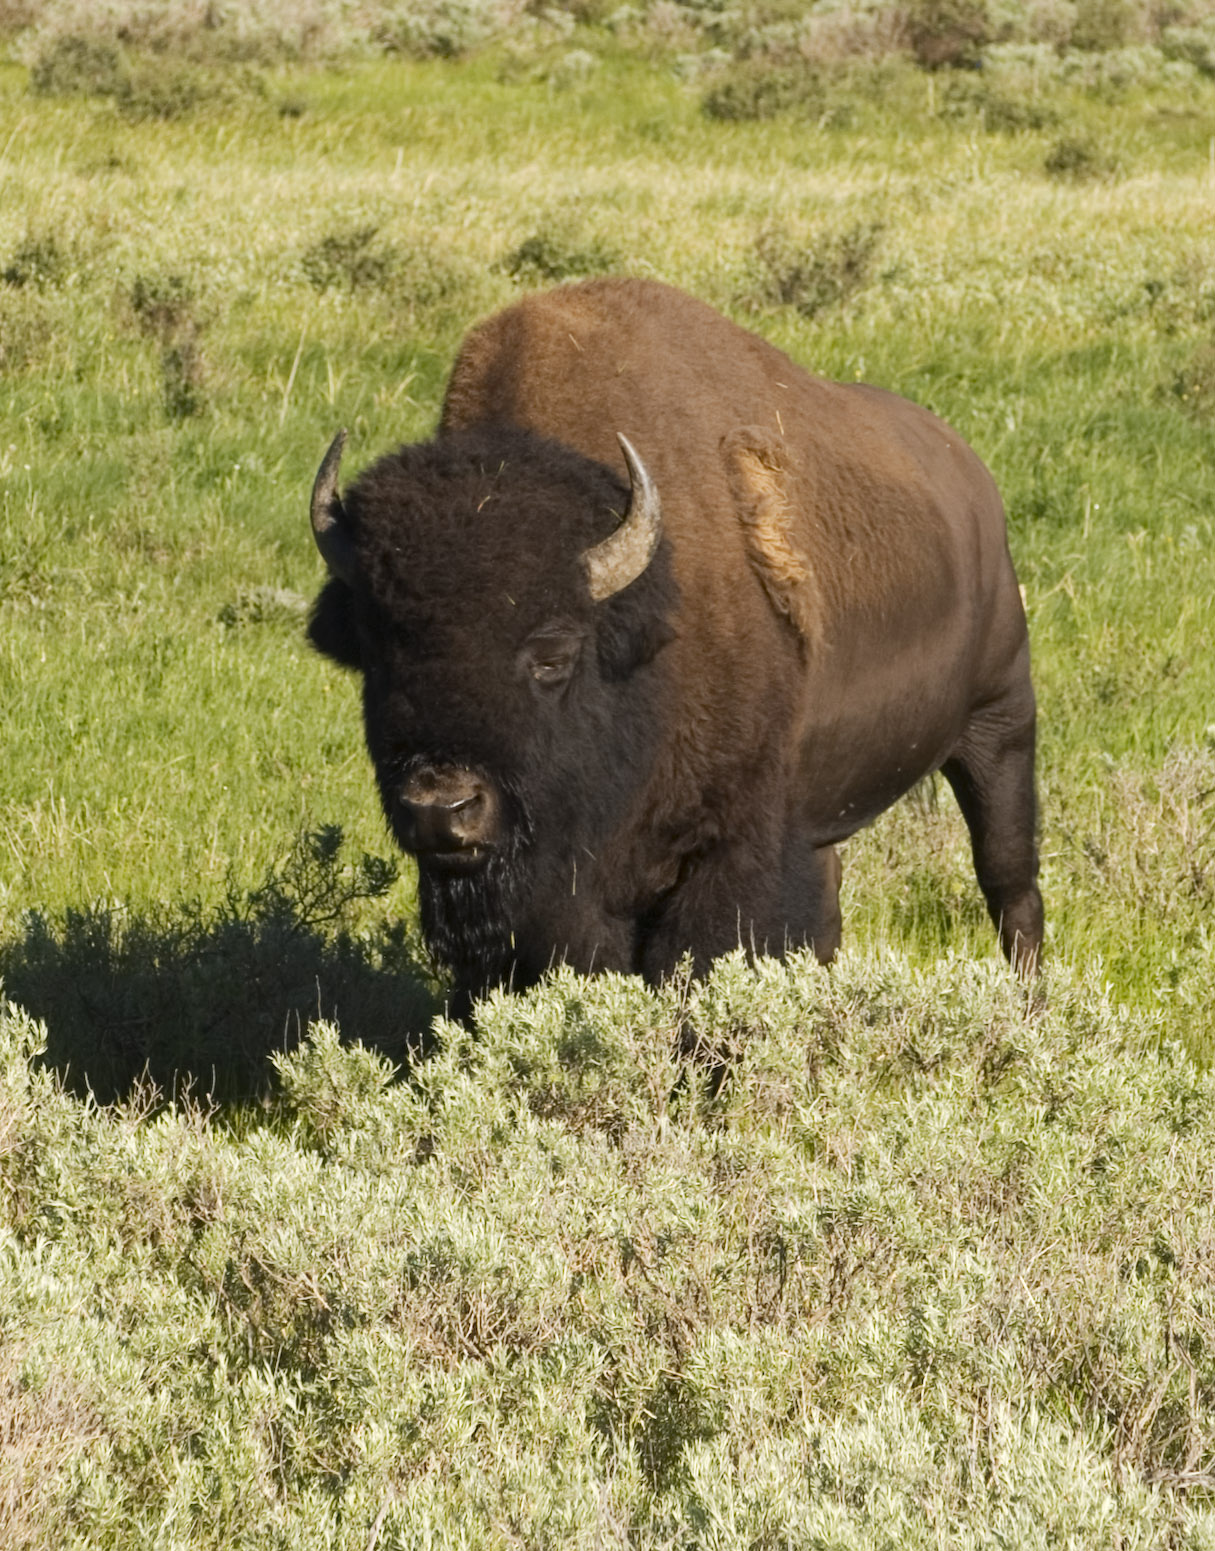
(550, 655)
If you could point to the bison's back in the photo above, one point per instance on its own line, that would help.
(884, 501)
(583, 361)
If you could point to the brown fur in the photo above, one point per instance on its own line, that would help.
(584, 361)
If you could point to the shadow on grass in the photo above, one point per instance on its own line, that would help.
(200, 997)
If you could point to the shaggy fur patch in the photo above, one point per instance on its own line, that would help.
(759, 482)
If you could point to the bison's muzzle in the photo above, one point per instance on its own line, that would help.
(447, 815)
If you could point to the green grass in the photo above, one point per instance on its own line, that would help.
(933, 1266)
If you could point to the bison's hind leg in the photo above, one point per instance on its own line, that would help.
(992, 775)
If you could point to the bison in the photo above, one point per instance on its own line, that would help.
(655, 621)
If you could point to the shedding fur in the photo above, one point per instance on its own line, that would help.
(760, 483)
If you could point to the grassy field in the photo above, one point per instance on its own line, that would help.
(195, 303)
(953, 1272)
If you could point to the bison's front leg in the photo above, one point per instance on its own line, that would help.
(811, 898)
(733, 897)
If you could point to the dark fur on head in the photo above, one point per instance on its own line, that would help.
(557, 503)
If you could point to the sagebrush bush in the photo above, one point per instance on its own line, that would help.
(348, 259)
(70, 39)
(75, 66)
(1077, 159)
(947, 33)
(760, 88)
(1194, 385)
(442, 28)
(26, 329)
(1194, 45)
(997, 109)
(1102, 25)
(554, 255)
(165, 309)
(141, 87)
(269, 31)
(38, 261)
(928, 1258)
(261, 605)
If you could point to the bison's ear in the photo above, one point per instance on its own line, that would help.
(626, 645)
(634, 625)
(332, 628)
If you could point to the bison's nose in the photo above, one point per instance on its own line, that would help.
(450, 812)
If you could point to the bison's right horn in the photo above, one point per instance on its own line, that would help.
(328, 519)
(624, 555)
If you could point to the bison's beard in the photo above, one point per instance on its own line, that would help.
(468, 920)
(534, 901)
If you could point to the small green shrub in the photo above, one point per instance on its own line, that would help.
(967, 98)
(37, 262)
(15, 14)
(264, 606)
(434, 278)
(26, 330)
(947, 33)
(165, 89)
(161, 304)
(442, 29)
(348, 261)
(1194, 385)
(573, 68)
(164, 309)
(75, 66)
(758, 88)
(1102, 25)
(550, 256)
(157, 86)
(1194, 45)
(812, 278)
(1076, 159)
(182, 374)
(359, 262)
(593, 13)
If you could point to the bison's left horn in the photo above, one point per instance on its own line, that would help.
(623, 556)
(328, 519)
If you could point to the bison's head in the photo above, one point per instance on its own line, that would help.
(504, 598)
